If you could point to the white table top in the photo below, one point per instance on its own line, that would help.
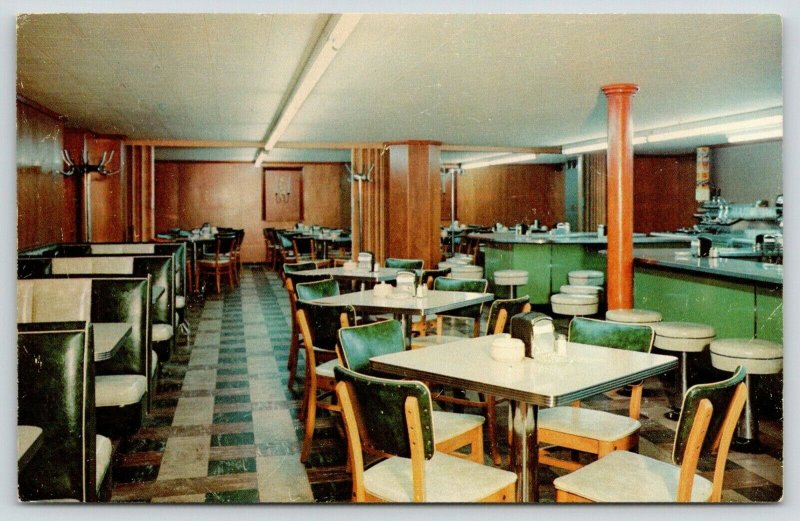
(29, 439)
(384, 274)
(108, 337)
(585, 371)
(435, 302)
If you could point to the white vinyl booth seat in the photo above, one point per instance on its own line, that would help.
(757, 356)
(448, 479)
(134, 248)
(103, 454)
(119, 390)
(574, 305)
(586, 277)
(180, 301)
(626, 477)
(580, 289)
(93, 265)
(633, 316)
(161, 332)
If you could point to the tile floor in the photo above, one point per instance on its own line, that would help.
(225, 428)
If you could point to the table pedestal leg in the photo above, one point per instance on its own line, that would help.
(524, 451)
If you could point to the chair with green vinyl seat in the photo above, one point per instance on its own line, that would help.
(428, 276)
(294, 275)
(404, 264)
(317, 289)
(588, 430)
(499, 321)
(319, 325)
(395, 419)
(470, 312)
(706, 425)
(360, 343)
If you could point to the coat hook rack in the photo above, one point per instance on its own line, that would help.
(85, 167)
(360, 178)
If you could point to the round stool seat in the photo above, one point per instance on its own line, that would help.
(586, 277)
(685, 337)
(510, 277)
(757, 356)
(580, 289)
(574, 305)
(465, 271)
(633, 316)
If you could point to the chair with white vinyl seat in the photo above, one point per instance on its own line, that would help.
(706, 425)
(586, 278)
(404, 431)
(499, 321)
(588, 430)
(633, 316)
(574, 305)
(452, 430)
(759, 357)
(319, 325)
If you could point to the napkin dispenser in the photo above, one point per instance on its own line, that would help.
(536, 331)
(365, 261)
(405, 282)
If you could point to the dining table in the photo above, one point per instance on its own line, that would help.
(357, 275)
(29, 440)
(404, 306)
(547, 380)
(328, 239)
(196, 242)
(108, 338)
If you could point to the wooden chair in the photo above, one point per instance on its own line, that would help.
(499, 321)
(471, 312)
(706, 425)
(403, 431)
(292, 278)
(220, 263)
(319, 325)
(236, 253)
(404, 264)
(454, 431)
(588, 430)
(304, 248)
(428, 276)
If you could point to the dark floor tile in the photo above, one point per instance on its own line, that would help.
(231, 466)
(232, 371)
(230, 439)
(144, 445)
(332, 492)
(234, 496)
(233, 417)
(135, 474)
(165, 403)
(157, 421)
(229, 385)
(768, 493)
(236, 398)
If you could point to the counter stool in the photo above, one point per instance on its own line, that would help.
(586, 277)
(466, 271)
(512, 279)
(580, 289)
(683, 338)
(633, 316)
(574, 305)
(758, 357)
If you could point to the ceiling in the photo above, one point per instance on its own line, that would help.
(465, 80)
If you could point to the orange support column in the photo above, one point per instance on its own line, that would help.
(619, 195)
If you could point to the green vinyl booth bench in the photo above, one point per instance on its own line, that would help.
(124, 382)
(158, 267)
(56, 386)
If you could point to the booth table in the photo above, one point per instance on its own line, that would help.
(108, 338)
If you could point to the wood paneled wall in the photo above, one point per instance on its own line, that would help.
(375, 197)
(663, 188)
(47, 202)
(187, 194)
(140, 193)
(594, 190)
(510, 194)
(108, 201)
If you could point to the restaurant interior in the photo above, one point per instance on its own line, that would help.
(336, 258)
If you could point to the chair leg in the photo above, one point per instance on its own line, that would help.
(294, 349)
(311, 418)
(231, 275)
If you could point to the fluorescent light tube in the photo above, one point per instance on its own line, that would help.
(504, 160)
(719, 128)
(756, 136)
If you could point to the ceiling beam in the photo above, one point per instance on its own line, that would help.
(192, 143)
